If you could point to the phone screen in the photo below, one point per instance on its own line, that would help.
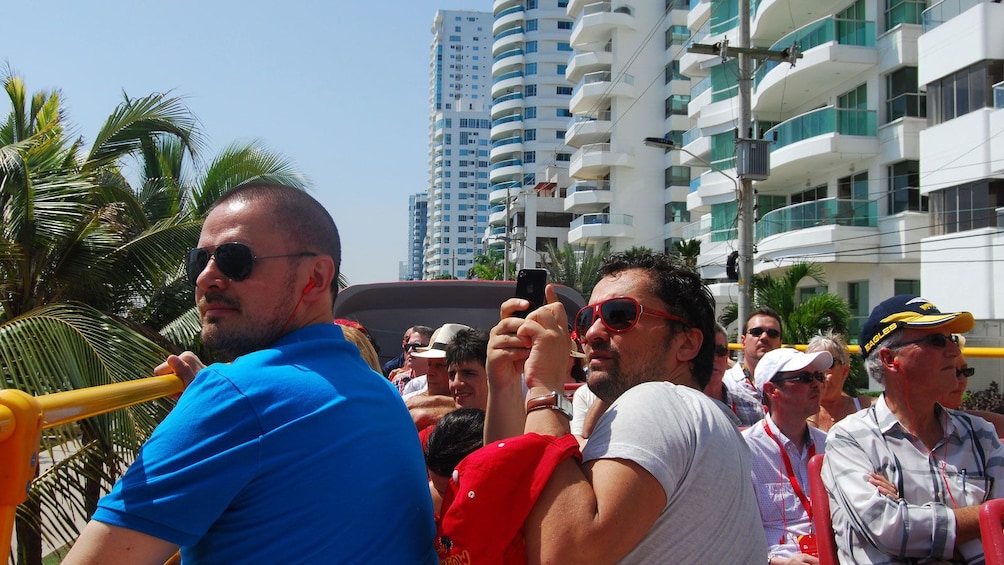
(530, 284)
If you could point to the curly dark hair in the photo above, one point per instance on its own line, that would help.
(457, 435)
(684, 293)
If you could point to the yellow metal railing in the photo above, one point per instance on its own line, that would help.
(23, 417)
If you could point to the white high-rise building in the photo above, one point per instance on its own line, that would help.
(627, 86)
(529, 114)
(418, 231)
(460, 99)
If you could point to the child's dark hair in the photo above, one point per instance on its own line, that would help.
(457, 435)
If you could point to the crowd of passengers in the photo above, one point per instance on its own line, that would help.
(468, 450)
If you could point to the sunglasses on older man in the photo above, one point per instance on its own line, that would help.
(234, 260)
(937, 340)
(618, 315)
(805, 377)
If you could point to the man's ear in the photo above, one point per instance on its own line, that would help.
(690, 344)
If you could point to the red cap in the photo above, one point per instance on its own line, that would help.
(492, 492)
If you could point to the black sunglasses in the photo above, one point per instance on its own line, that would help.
(805, 377)
(937, 340)
(618, 315)
(235, 260)
(757, 332)
(721, 351)
(967, 372)
(410, 346)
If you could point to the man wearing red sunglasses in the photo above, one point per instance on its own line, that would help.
(641, 493)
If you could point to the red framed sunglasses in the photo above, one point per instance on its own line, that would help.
(618, 315)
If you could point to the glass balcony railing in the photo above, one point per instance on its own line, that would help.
(588, 186)
(825, 212)
(508, 11)
(507, 97)
(946, 10)
(575, 120)
(819, 32)
(904, 12)
(999, 95)
(912, 104)
(695, 184)
(507, 119)
(506, 76)
(844, 121)
(507, 54)
(507, 163)
(508, 32)
(507, 141)
(701, 86)
(498, 208)
(610, 219)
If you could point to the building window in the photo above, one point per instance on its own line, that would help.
(530, 25)
(566, 90)
(561, 69)
(906, 286)
(677, 176)
(967, 206)
(673, 72)
(964, 91)
(563, 157)
(903, 96)
(531, 4)
(529, 157)
(723, 221)
(529, 112)
(857, 301)
(530, 69)
(675, 212)
(563, 113)
(530, 47)
(529, 135)
(529, 90)
(676, 105)
(903, 12)
(559, 134)
(564, 25)
(677, 35)
(564, 46)
(904, 188)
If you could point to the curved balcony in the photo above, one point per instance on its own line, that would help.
(594, 161)
(600, 227)
(507, 104)
(832, 50)
(825, 212)
(505, 18)
(588, 196)
(507, 60)
(508, 39)
(583, 130)
(597, 87)
(510, 124)
(502, 191)
(497, 214)
(505, 169)
(508, 146)
(774, 18)
(598, 22)
(507, 82)
(588, 62)
(821, 140)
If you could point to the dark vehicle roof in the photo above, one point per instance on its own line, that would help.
(386, 310)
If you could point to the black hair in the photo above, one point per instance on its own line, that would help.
(457, 435)
(763, 311)
(467, 345)
(685, 295)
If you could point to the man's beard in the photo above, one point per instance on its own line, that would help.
(230, 343)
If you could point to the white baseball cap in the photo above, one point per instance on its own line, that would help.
(785, 359)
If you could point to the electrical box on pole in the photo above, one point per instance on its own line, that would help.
(753, 158)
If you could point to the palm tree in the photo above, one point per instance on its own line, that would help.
(92, 287)
(801, 321)
(575, 267)
(490, 267)
(689, 250)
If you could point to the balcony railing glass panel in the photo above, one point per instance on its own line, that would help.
(825, 212)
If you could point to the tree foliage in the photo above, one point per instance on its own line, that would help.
(577, 267)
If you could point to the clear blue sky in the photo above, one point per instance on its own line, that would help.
(341, 88)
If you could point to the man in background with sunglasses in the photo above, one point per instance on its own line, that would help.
(264, 459)
(664, 465)
(761, 333)
(939, 464)
(781, 445)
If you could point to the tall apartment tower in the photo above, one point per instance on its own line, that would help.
(460, 100)
(418, 226)
(529, 113)
(627, 86)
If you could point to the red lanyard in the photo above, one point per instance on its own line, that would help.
(791, 473)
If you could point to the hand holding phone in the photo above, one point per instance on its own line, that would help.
(530, 285)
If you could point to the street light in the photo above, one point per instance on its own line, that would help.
(745, 256)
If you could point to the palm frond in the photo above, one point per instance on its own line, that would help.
(135, 120)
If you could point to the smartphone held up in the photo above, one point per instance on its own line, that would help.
(530, 285)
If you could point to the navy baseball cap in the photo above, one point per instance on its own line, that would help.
(909, 311)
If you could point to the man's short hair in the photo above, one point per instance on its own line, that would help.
(303, 219)
(468, 345)
(424, 331)
(684, 293)
(763, 311)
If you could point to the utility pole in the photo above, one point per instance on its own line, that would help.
(752, 155)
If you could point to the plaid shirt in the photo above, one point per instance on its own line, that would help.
(743, 398)
(964, 469)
